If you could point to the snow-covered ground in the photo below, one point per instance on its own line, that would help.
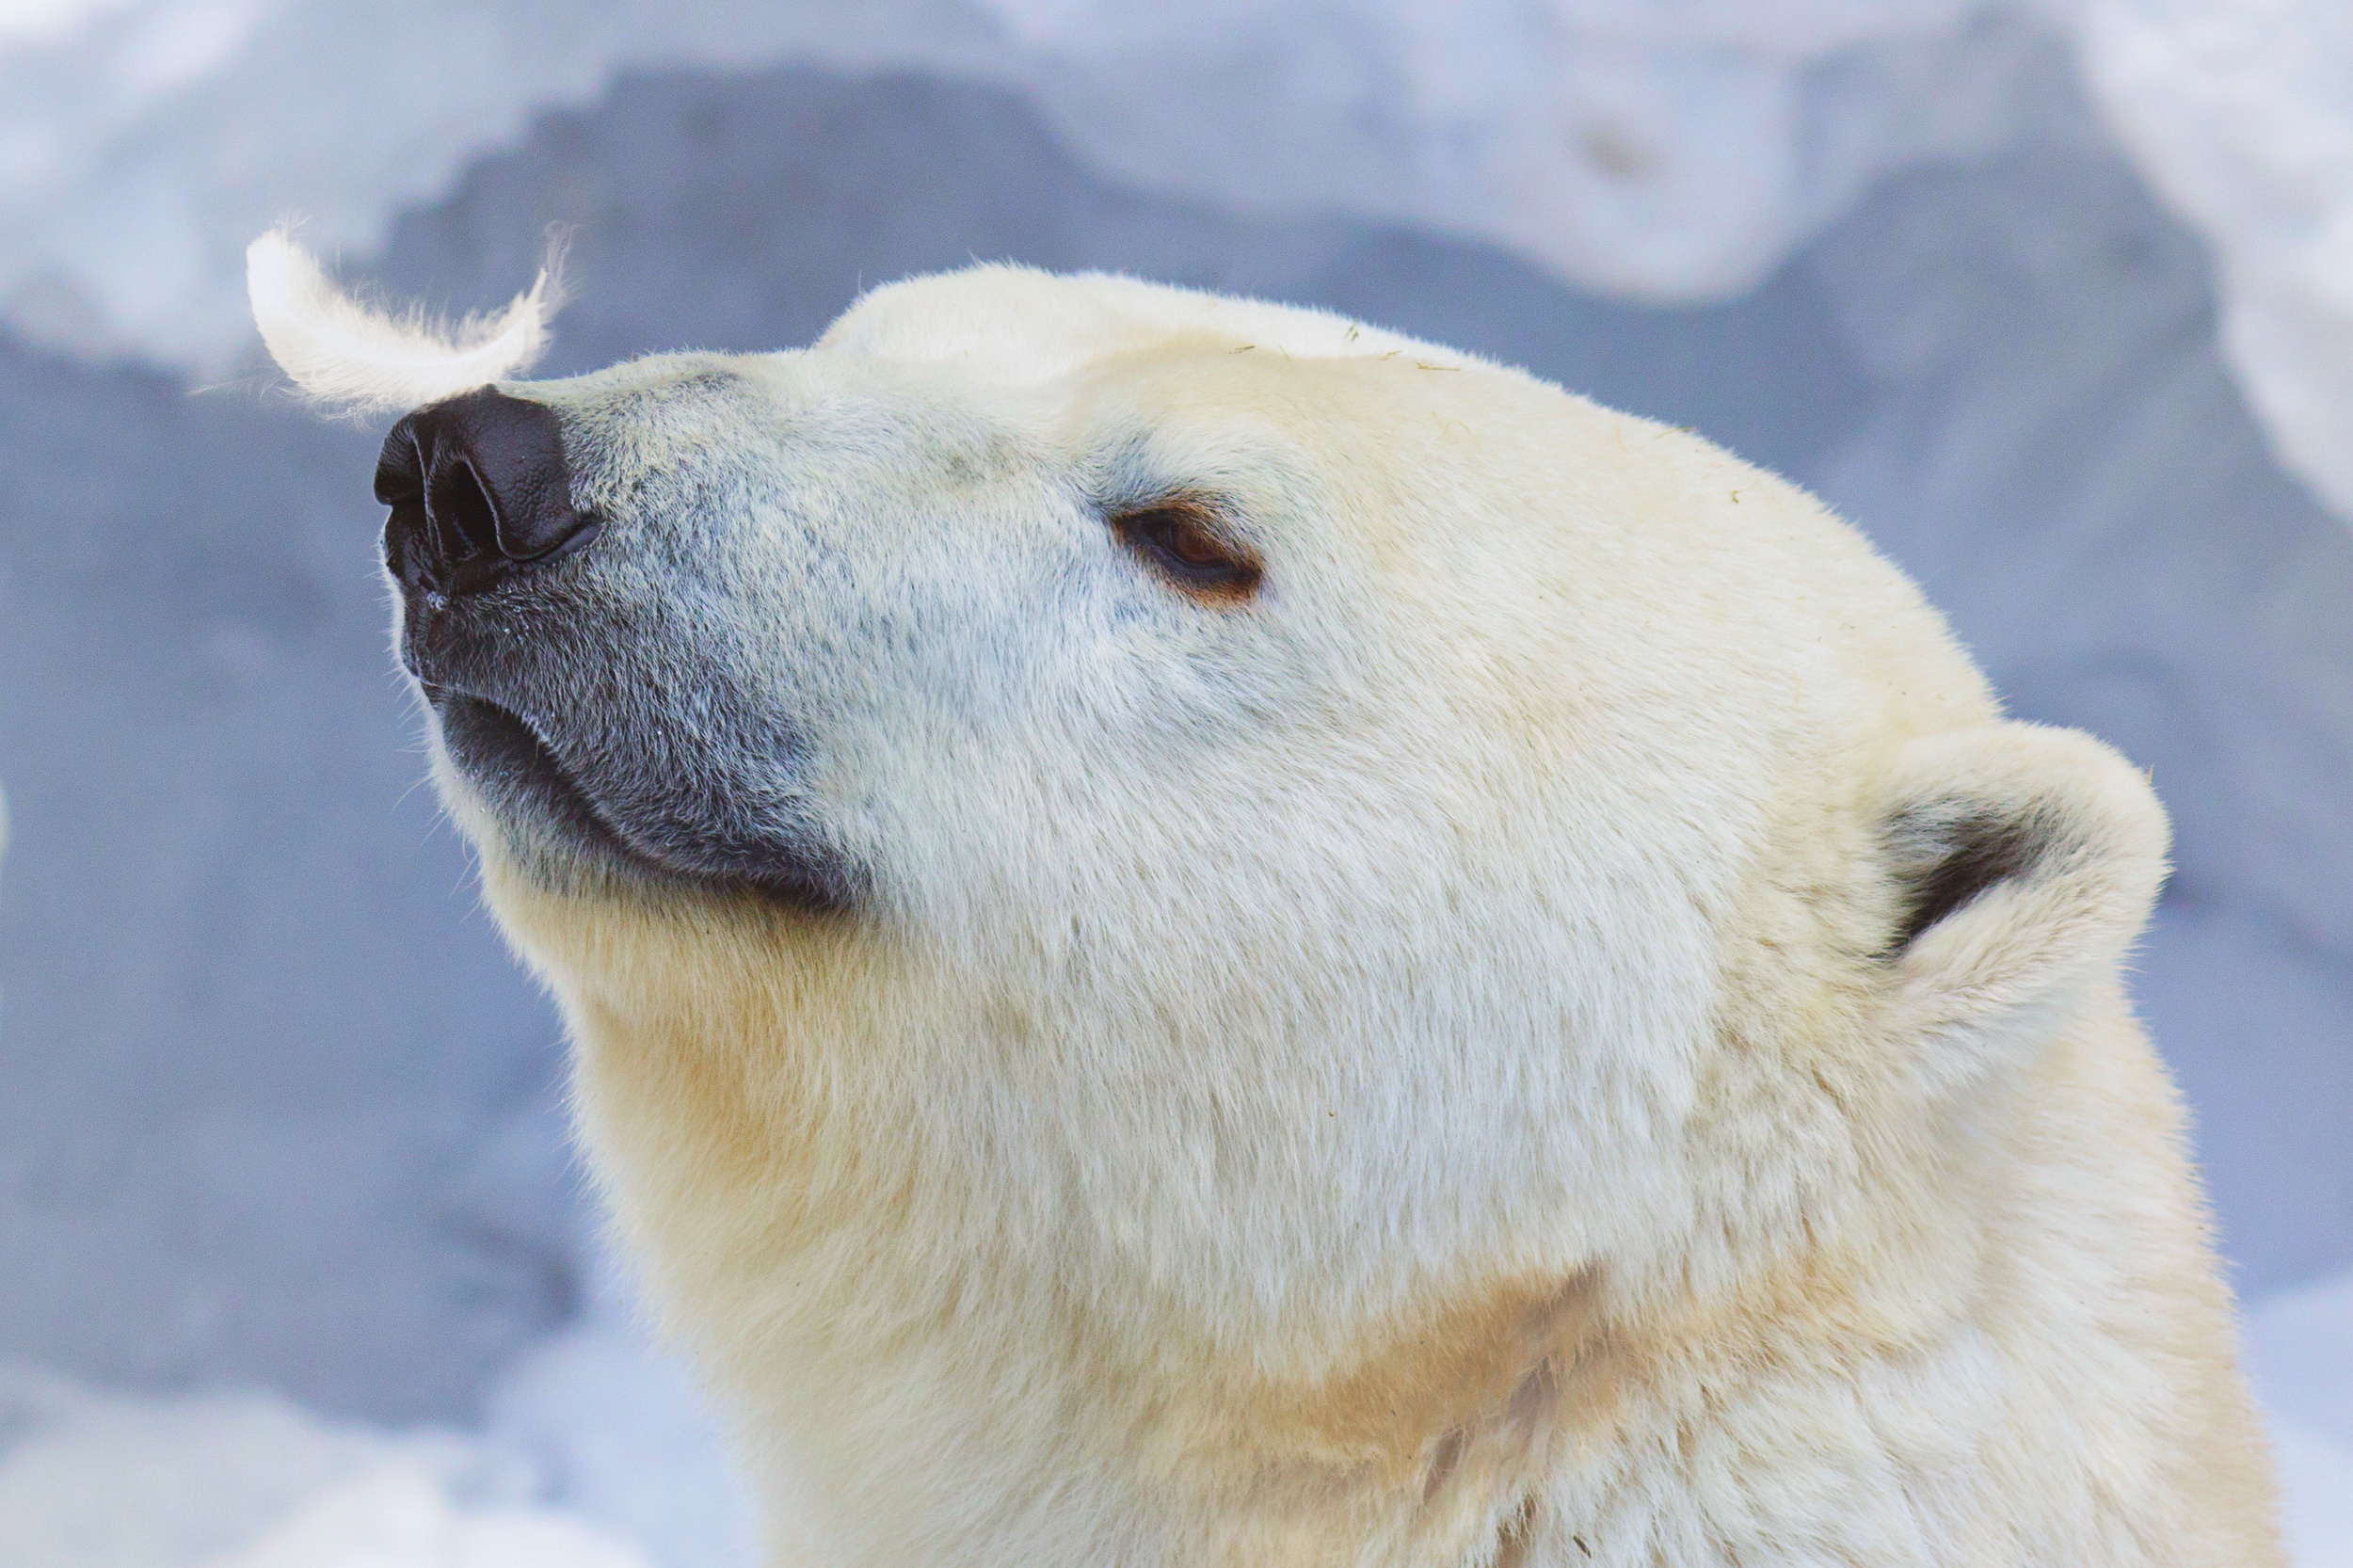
(275, 1110)
(2299, 1351)
(596, 1456)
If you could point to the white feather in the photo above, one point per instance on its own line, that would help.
(352, 359)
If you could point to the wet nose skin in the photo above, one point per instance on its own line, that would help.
(477, 486)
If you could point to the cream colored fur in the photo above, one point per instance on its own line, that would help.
(1414, 1069)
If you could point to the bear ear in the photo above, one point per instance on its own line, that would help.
(2024, 861)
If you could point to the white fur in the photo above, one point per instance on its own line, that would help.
(1408, 1071)
(349, 359)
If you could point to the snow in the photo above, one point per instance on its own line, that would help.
(1654, 151)
(2240, 113)
(400, 1517)
(140, 151)
(596, 1453)
(1660, 152)
(249, 1480)
(2299, 1353)
(26, 20)
(2316, 1498)
(91, 1480)
(623, 1435)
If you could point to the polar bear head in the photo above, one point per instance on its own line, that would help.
(1290, 828)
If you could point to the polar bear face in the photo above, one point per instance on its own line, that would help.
(1271, 817)
(1198, 933)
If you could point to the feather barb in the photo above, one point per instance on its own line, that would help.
(350, 358)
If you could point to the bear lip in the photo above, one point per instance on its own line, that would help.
(506, 759)
(503, 755)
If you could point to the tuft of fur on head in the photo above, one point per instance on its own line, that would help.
(350, 359)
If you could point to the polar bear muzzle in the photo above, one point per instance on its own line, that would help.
(552, 684)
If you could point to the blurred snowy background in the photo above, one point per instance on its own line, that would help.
(2054, 299)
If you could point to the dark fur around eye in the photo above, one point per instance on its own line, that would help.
(1192, 548)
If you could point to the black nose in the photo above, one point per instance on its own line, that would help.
(476, 485)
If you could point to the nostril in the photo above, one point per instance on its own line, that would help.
(400, 466)
(477, 482)
(464, 522)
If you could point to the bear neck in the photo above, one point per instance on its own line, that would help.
(837, 1271)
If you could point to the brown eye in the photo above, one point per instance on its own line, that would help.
(1189, 544)
(1185, 543)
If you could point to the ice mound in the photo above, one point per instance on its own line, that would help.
(400, 1515)
(2240, 113)
(596, 1454)
(248, 1481)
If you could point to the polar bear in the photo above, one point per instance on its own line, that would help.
(1197, 933)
